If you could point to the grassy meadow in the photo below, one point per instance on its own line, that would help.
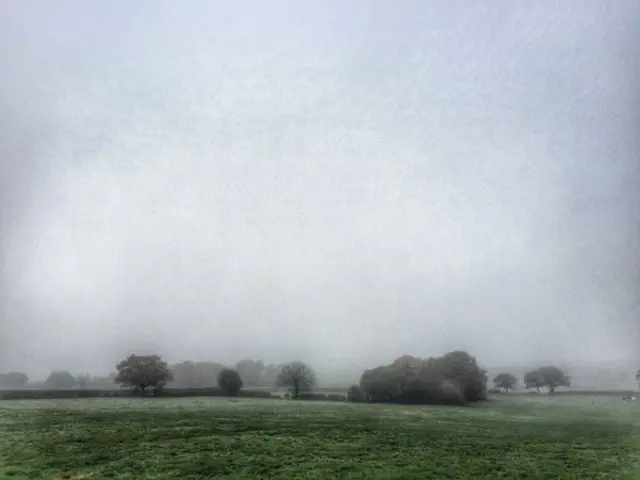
(517, 436)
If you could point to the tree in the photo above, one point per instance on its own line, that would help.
(271, 374)
(454, 378)
(638, 378)
(60, 380)
(505, 381)
(186, 375)
(252, 372)
(296, 376)
(142, 372)
(12, 380)
(83, 380)
(533, 379)
(550, 377)
(208, 373)
(229, 382)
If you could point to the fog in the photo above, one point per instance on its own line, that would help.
(339, 183)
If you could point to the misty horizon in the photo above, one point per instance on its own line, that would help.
(336, 184)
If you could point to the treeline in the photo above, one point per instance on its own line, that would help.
(454, 378)
(185, 374)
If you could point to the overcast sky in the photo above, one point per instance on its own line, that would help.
(336, 182)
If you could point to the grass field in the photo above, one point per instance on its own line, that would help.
(519, 437)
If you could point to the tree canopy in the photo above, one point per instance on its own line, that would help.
(297, 377)
(550, 377)
(453, 378)
(60, 380)
(505, 381)
(13, 380)
(229, 382)
(143, 371)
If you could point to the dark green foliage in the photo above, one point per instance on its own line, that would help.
(452, 379)
(250, 440)
(60, 380)
(143, 371)
(505, 381)
(229, 382)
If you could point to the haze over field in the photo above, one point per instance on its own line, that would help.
(336, 183)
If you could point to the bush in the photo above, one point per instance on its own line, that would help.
(229, 382)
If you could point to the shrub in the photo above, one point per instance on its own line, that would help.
(229, 382)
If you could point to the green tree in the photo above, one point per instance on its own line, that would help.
(60, 380)
(143, 371)
(229, 382)
(297, 377)
(505, 381)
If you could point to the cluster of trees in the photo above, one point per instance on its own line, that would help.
(453, 378)
(549, 377)
(253, 373)
(144, 372)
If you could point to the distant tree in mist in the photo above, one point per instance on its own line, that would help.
(60, 380)
(251, 372)
(297, 377)
(186, 375)
(13, 380)
(143, 371)
(195, 374)
(271, 374)
(533, 379)
(83, 380)
(505, 381)
(229, 382)
(638, 378)
(550, 377)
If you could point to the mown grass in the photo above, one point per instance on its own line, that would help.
(214, 438)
